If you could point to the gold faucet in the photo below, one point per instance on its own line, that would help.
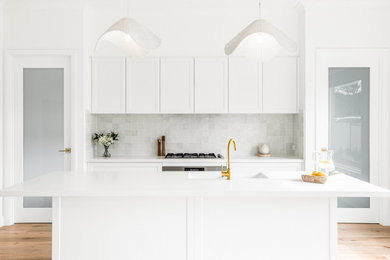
(227, 173)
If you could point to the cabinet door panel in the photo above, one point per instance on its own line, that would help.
(143, 85)
(280, 85)
(211, 85)
(108, 85)
(141, 168)
(245, 90)
(177, 85)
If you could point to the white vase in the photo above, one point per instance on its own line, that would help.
(264, 149)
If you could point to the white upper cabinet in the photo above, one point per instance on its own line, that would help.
(211, 85)
(108, 85)
(280, 85)
(143, 85)
(245, 90)
(177, 85)
(194, 85)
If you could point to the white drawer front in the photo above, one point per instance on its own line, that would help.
(142, 168)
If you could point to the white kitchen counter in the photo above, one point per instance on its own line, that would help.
(161, 159)
(102, 184)
(148, 215)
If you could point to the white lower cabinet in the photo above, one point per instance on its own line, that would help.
(119, 228)
(142, 168)
(239, 170)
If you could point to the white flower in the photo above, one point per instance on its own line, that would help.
(106, 140)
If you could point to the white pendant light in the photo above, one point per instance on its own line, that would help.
(131, 37)
(260, 40)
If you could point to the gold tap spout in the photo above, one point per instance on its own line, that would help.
(227, 173)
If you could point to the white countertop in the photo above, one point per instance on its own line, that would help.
(161, 159)
(112, 184)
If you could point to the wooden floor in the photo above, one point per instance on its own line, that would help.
(25, 241)
(364, 242)
(356, 242)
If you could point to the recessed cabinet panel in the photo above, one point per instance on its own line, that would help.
(143, 85)
(108, 85)
(211, 81)
(280, 85)
(245, 90)
(177, 85)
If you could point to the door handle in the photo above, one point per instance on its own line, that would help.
(66, 150)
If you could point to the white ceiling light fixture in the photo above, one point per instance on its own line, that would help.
(260, 40)
(131, 37)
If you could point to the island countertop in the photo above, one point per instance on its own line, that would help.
(116, 184)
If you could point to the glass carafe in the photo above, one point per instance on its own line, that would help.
(324, 161)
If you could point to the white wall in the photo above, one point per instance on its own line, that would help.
(192, 28)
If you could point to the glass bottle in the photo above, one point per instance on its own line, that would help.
(324, 161)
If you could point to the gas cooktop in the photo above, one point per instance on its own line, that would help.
(193, 156)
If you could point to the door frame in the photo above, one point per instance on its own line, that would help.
(373, 58)
(10, 100)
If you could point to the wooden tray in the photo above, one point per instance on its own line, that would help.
(264, 154)
(314, 179)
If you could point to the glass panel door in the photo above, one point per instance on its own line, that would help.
(349, 125)
(43, 126)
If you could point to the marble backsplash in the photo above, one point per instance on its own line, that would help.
(197, 133)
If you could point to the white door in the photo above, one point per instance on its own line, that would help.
(245, 86)
(42, 127)
(211, 85)
(177, 85)
(143, 85)
(348, 121)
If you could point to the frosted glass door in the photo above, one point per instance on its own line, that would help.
(349, 126)
(43, 126)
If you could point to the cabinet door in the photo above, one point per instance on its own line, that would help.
(211, 85)
(141, 168)
(108, 85)
(280, 85)
(245, 90)
(177, 85)
(143, 85)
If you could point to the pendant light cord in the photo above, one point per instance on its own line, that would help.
(259, 10)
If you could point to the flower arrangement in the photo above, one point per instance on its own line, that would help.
(106, 140)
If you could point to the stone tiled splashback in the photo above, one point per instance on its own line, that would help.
(196, 133)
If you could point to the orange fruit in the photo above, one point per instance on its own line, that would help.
(315, 173)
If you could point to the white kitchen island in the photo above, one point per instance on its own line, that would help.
(150, 216)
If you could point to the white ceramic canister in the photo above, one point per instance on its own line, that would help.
(263, 149)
